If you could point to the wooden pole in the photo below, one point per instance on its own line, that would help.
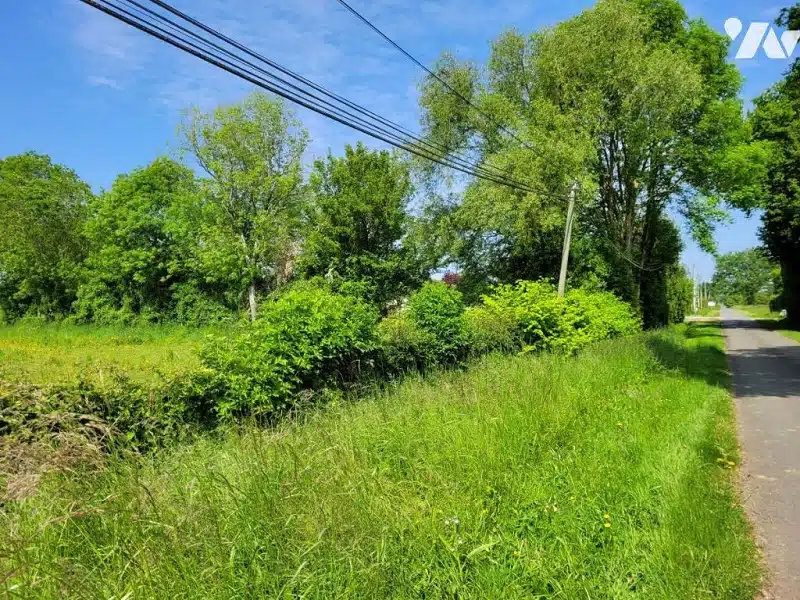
(562, 278)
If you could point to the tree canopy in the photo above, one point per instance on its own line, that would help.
(250, 206)
(744, 277)
(631, 99)
(776, 121)
(357, 224)
(42, 211)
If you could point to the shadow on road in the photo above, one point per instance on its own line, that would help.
(702, 361)
(773, 371)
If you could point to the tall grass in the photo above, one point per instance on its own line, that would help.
(602, 476)
(52, 353)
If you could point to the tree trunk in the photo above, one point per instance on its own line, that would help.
(791, 291)
(251, 296)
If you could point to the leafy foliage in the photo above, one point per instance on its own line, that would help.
(437, 309)
(130, 268)
(744, 277)
(632, 100)
(679, 294)
(545, 321)
(244, 225)
(776, 121)
(304, 339)
(42, 210)
(491, 330)
(356, 224)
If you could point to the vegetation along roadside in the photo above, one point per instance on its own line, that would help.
(609, 474)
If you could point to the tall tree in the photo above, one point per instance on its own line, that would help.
(251, 204)
(42, 209)
(654, 96)
(129, 271)
(776, 120)
(358, 224)
(744, 277)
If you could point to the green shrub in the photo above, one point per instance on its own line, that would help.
(304, 339)
(195, 308)
(544, 321)
(679, 294)
(602, 315)
(116, 413)
(490, 330)
(437, 309)
(404, 346)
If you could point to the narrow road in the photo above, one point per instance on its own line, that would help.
(766, 383)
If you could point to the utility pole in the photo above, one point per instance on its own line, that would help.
(562, 278)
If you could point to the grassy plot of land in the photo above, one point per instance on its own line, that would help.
(769, 320)
(758, 311)
(58, 353)
(609, 475)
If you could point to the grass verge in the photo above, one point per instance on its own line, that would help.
(757, 311)
(608, 475)
(769, 320)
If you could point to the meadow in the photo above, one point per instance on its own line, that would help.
(55, 353)
(606, 475)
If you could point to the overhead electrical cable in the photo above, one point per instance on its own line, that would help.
(382, 129)
(174, 27)
(433, 74)
(308, 82)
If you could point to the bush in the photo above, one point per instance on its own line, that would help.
(195, 308)
(679, 294)
(404, 346)
(546, 322)
(490, 330)
(437, 309)
(117, 412)
(304, 339)
(602, 315)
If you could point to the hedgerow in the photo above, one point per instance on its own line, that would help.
(307, 342)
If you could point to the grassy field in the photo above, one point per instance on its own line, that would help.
(769, 320)
(757, 311)
(609, 475)
(708, 311)
(55, 353)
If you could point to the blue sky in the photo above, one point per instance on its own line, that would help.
(103, 98)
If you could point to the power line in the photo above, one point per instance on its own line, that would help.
(302, 79)
(279, 81)
(450, 88)
(282, 87)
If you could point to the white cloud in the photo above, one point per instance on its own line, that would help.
(105, 40)
(318, 39)
(103, 81)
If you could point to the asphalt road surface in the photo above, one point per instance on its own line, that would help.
(766, 383)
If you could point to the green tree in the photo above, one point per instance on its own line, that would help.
(130, 268)
(358, 224)
(744, 277)
(42, 209)
(248, 215)
(647, 105)
(679, 293)
(776, 120)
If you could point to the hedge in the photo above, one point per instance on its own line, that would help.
(307, 342)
